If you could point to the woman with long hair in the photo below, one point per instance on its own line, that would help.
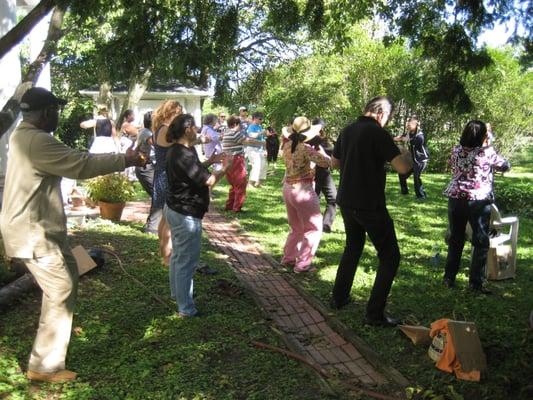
(187, 201)
(161, 119)
(105, 138)
(469, 200)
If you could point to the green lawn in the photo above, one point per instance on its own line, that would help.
(417, 293)
(128, 346)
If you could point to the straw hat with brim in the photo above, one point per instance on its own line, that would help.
(302, 125)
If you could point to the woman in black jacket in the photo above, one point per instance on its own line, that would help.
(414, 139)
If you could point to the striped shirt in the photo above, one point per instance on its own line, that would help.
(232, 141)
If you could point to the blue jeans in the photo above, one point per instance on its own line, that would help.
(186, 234)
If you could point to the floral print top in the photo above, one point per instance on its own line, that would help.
(299, 164)
(472, 172)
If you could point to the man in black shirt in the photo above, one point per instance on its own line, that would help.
(361, 151)
(323, 180)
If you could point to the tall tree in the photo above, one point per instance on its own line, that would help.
(445, 31)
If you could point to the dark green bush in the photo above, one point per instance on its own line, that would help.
(69, 132)
(515, 196)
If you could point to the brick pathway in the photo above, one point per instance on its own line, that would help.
(136, 211)
(305, 327)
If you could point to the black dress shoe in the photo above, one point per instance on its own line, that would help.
(479, 289)
(337, 305)
(448, 282)
(386, 322)
(326, 229)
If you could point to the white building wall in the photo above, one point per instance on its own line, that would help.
(190, 105)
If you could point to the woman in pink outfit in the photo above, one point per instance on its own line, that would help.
(303, 205)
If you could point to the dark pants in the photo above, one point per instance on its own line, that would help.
(417, 170)
(477, 212)
(324, 184)
(146, 178)
(272, 153)
(380, 228)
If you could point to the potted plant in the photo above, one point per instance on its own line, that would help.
(111, 193)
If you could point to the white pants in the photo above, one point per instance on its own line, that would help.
(103, 144)
(57, 275)
(258, 161)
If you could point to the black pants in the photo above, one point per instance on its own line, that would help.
(477, 212)
(324, 184)
(380, 228)
(417, 170)
(146, 178)
(272, 153)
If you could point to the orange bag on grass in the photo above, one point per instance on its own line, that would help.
(462, 353)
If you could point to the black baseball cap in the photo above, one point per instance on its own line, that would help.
(38, 98)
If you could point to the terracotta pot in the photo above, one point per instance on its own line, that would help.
(112, 211)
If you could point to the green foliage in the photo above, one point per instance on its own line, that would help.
(111, 188)
(337, 87)
(69, 132)
(284, 15)
(503, 95)
(516, 198)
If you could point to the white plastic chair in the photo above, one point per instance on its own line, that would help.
(501, 260)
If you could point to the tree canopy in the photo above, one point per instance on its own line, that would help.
(201, 42)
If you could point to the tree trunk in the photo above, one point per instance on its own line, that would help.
(49, 47)
(137, 87)
(104, 95)
(19, 31)
(11, 109)
(203, 79)
(16, 290)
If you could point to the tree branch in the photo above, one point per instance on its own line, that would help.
(11, 109)
(19, 31)
(49, 47)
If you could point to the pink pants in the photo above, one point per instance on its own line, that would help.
(305, 222)
(236, 177)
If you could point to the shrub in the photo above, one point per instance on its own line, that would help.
(111, 188)
(515, 197)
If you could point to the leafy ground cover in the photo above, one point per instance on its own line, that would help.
(418, 293)
(126, 345)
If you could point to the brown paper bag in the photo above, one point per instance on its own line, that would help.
(418, 334)
(83, 259)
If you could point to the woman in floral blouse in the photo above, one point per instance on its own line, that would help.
(303, 205)
(469, 200)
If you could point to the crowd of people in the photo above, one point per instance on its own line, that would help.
(168, 163)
